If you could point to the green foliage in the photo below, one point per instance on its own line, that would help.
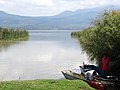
(12, 34)
(103, 37)
(45, 85)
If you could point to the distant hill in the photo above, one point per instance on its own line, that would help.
(66, 20)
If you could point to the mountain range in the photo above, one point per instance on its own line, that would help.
(66, 20)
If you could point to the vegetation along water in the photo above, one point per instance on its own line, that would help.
(104, 36)
(7, 34)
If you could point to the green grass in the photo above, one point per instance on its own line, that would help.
(45, 85)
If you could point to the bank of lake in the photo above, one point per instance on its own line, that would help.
(45, 85)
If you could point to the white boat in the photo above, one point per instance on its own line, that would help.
(72, 75)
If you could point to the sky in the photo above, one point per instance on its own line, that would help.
(50, 7)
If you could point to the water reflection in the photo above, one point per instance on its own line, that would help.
(4, 45)
(40, 58)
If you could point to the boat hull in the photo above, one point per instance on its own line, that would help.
(72, 75)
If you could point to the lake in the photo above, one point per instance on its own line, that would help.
(43, 56)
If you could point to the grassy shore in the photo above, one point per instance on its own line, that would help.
(45, 85)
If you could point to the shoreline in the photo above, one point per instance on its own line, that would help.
(45, 84)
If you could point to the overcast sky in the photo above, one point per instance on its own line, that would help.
(50, 7)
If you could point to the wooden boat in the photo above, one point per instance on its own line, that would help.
(98, 82)
(110, 80)
(110, 83)
(71, 75)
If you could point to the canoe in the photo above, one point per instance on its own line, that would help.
(71, 75)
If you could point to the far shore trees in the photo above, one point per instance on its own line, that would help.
(103, 37)
(7, 34)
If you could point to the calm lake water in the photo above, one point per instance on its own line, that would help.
(43, 56)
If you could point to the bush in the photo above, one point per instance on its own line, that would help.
(103, 37)
(12, 34)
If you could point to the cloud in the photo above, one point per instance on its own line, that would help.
(43, 2)
(50, 7)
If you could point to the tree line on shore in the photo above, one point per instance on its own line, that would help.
(12, 34)
(103, 37)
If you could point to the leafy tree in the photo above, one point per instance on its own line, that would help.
(103, 37)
